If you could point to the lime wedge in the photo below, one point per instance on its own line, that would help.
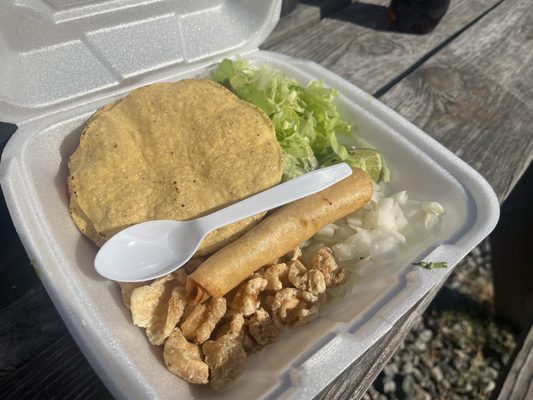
(385, 173)
(373, 163)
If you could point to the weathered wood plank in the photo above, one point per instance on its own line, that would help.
(14, 265)
(477, 98)
(58, 372)
(27, 327)
(519, 382)
(28, 319)
(366, 50)
(512, 242)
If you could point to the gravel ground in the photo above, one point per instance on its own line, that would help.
(458, 348)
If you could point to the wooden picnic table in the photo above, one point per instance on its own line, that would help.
(469, 84)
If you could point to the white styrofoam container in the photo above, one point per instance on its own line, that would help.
(65, 59)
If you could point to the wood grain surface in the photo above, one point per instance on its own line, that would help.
(519, 382)
(472, 96)
(358, 42)
(469, 84)
(58, 372)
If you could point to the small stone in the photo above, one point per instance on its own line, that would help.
(459, 364)
(408, 368)
(490, 387)
(433, 391)
(408, 386)
(436, 372)
(476, 251)
(418, 375)
(390, 369)
(421, 345)
(421, 393)
(461, 354)
(389, 387)
(450, 373)
(426, 335)
(493, 373)
(425, 383)
(426, 359)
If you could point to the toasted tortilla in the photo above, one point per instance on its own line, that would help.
(172, 151)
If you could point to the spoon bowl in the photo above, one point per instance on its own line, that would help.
(153, 249)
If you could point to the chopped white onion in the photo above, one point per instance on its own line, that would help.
(381, 228)
(433, 207)
(328, 231)
(400, 197)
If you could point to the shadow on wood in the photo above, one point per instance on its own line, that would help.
(371, 16)
(512, 243)
(326, 6)
(518, 383)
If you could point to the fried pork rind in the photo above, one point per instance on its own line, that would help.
(276, 276)
(180, 276)
(231, 325)
(316, 283)
(261, 327)
(298, 275)
(301, 278)
(125, 290)
(248, 342)
(226, 359)
(164, 321)
(211, 342)
(324, 262)
(158, 307)
(293, 307)
(203, 318)
(185, 359)
(246, 299)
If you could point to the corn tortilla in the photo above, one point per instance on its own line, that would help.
(171, 151)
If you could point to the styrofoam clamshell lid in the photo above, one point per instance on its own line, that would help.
(60, 53)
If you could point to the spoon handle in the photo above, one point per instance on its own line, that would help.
(278, 195)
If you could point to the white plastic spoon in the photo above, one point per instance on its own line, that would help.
(152, 249)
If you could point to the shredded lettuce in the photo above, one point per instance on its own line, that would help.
(432, 264)
(305, 118)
